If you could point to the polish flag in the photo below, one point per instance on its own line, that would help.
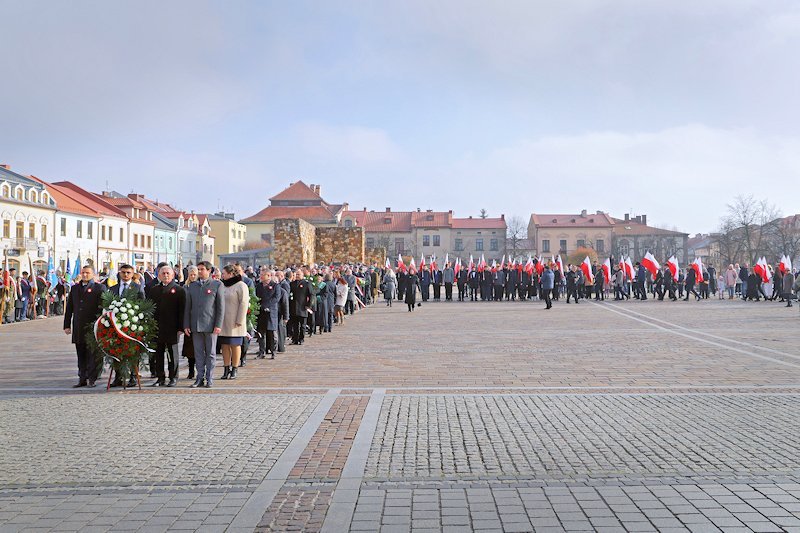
(494, 265)
(387, 263)
(785, 265)
(586, 267)
(629, 268)
(422, 261)
(672, 264)
(457, 268)
(540, 266)
(529, 265)
(471, 265)
(482, 264)
(513, 263)
(650, 264)
(560, 263)
(765, 274)
(697, 266)
(433, 263)
(446, 259)
(412, 264)
(607, 270)
(400, 265)
(622, 264)
(503, 262)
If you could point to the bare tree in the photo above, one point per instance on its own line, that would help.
(752, 221)
(784, 237)
(516, 232)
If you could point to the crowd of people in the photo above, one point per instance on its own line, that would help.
(202, 311)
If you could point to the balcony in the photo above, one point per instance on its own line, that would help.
(25, 244)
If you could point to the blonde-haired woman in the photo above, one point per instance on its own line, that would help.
(236, 300)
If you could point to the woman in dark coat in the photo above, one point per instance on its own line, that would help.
(269, 293)
(411, 286)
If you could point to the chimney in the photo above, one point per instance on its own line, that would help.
(429, 210)
(318, 189)
(583, 213)
(7, 167)
(638, 219)
(388, 209)
(644, 219)
(470, 217)
(418, 210)
(599, 212)
(502, 216)
(627, 217)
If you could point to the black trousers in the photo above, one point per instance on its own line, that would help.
(462, 291)
(266, 342)
(437, 291)
(281, 335)
(547, 300)
(87, 364)
(448, 291)
(296, 328)
(426, 292)
(473, 293)
(498, 292)
(572, 292)
(171, 359)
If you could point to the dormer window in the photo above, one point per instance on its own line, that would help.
(45, 198)
(6, 190)
(429, 217)
(387, 220)
(20, 194)
(555, 221)
(32, 196)
(348, 223)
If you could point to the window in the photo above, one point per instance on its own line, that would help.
(493, 246)
(103, 232)
(545, 245)
(6, 190)
(136, 240)
(33, 196)
(601, 246)
(20, 230)
(624, 247)
(387, 220)
(426, 240)
(478, 245)
(266, 237)
(63, 230)
(79, 229)
(437, 240)
(562, 245)
(7, 228)
(399, 246)
(20, 194)
(233, 233)
(459, 245)
(44, 232)
(90, 230)
(121, 234)
(348, 223)
(581, 243)
(169, 240)
(149, 242)
(370, 242)
(32, 231)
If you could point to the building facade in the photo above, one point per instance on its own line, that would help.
(552, 234)
(141, 227)
(230, 236)
(27, 211)
(633, 237)
(298, 200)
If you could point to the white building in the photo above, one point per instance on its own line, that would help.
(27, 211)
(141, 227)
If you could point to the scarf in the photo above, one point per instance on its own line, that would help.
(232, 281)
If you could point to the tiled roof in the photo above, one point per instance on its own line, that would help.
(123, 202)
(65, 200)
(297, 191)
(598, 220)
(91, 200)
(431, 219)
(310, 214)
(378, 221)
(479, 223)
(633, 228)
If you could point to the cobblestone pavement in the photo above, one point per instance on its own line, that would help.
(489, 417)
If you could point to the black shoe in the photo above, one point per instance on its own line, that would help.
(260, 356)
(234, 371)
(132, 382)
(79, 385)
(227, 373)
(91, 384)
(197, 384)
(116, 383)
(191, 374)
(157, 383)
(172, 382)
(244, 360)
(272, 355)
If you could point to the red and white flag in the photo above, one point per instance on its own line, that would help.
(433, 263)
(412, 264)
(471, 265)
(651, 264)
(785, 265)
(387, 263)
(446, 259)
(529, 265)
(482, 264)
(765, 273)
(457, 268)
(400, 265)
(672, 264)
(697, 266)
(586, 267)
(560, 263)
(540, 265)
(494, 265)
(629, 268)
(422, 261)
(607, 270)
(503, 262)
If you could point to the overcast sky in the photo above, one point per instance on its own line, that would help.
(660, 107)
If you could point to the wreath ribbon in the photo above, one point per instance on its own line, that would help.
(121, 333)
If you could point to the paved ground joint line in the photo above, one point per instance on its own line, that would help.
(343, 502)
(252, 511)
(696, 338)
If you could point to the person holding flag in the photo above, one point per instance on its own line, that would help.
(448, 278)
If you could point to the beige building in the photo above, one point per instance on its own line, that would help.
(552, 234)
(230, 236)
(298, 200)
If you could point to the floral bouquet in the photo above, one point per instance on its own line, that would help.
(122, 333)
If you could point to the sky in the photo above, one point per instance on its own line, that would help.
(669, 109)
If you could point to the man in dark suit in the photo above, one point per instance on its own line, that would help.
(170, 304)
(132, 291)
(84, 305)
(269, 293)
(299, 305)
(202, 322)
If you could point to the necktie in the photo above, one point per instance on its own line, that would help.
(124, 288)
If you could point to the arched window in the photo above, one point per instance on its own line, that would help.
(348, 223)
(6, 190)
(45, 198)
(33, 196)
(19, 193)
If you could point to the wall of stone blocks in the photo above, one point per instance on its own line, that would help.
(294, 243)
(341, 245)
(375, 256)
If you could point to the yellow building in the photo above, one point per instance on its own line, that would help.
(229, 235)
